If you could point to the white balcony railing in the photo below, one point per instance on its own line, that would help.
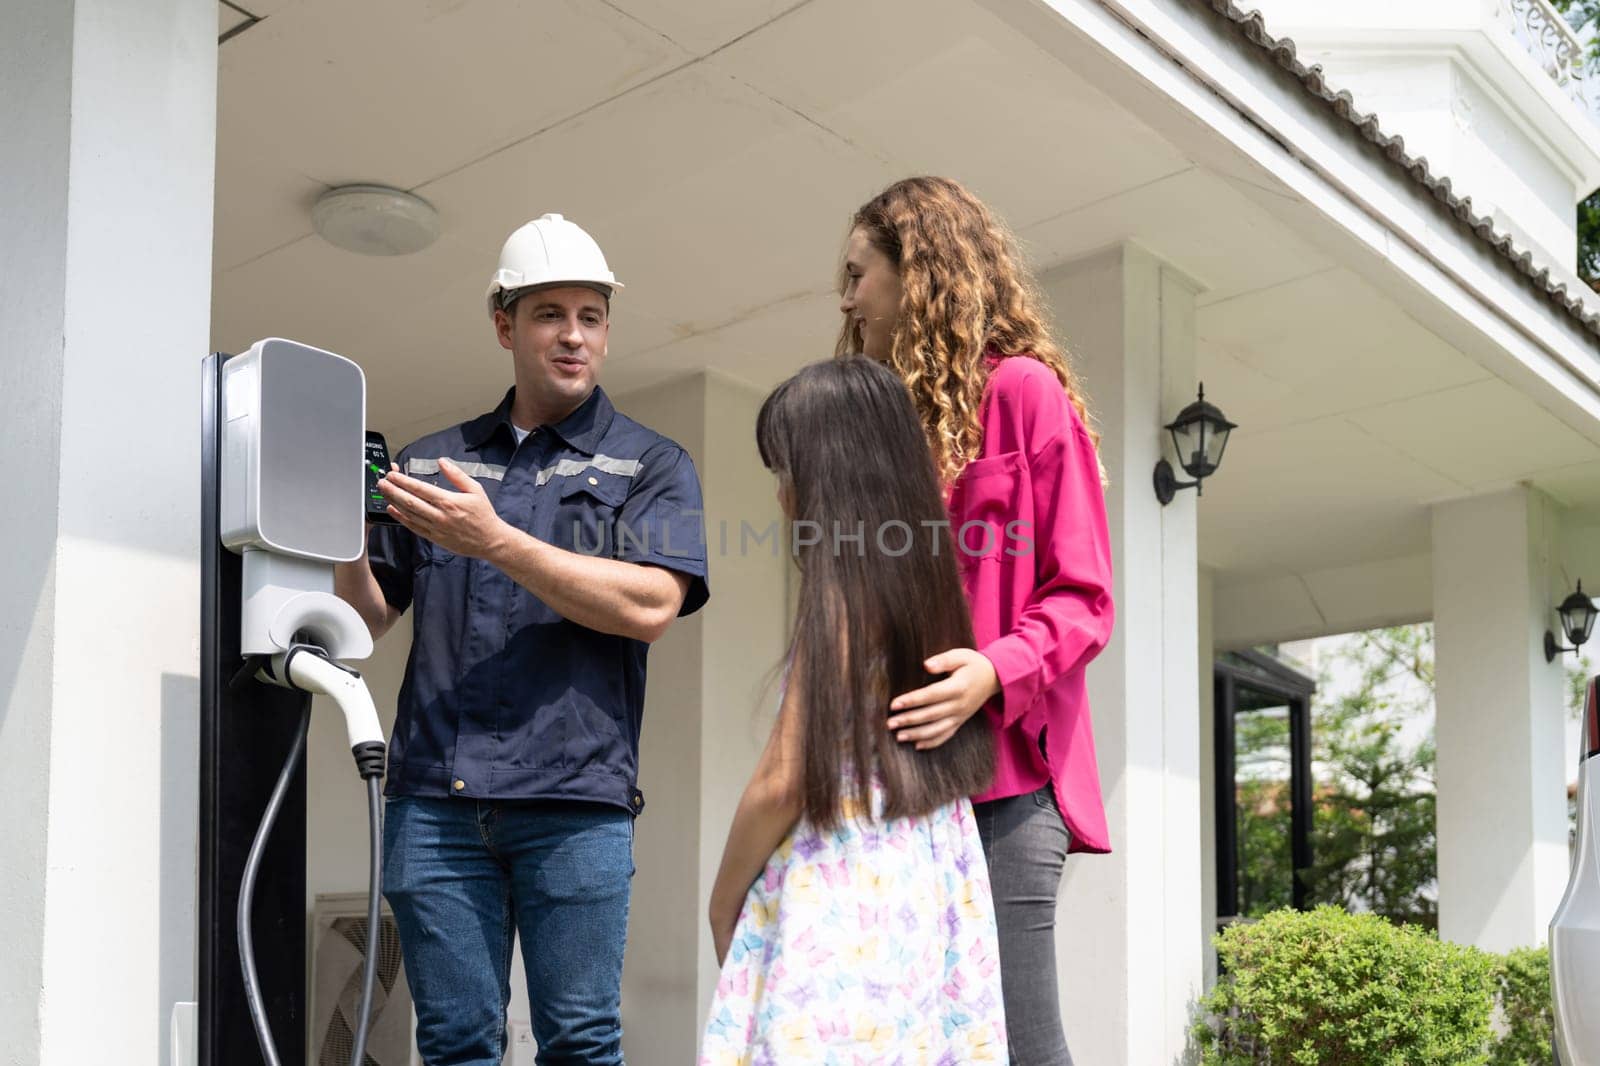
(1547, 37)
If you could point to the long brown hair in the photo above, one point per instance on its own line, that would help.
(851, 458)
(964, 294)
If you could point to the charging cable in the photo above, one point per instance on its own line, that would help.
(307, 667)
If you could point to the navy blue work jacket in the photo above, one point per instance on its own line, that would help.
(503, 698)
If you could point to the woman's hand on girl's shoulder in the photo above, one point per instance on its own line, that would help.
(929, 716)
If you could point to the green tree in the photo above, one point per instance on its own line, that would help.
(1373, 840)
(1374, 844)
(1578, 674)
(1582, 15)
(1262, 802)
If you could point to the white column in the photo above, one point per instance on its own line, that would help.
(709, 701)
(1130, 924)
(1208, 772)
(105, 291)
(1502, 771)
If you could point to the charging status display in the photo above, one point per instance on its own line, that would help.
(377, 464)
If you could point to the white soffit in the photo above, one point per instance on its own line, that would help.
(705, 25)
(721, 189)
(335, 92)
(1483, 435)
(1191, 218)
(897, 78)
(1329, 343)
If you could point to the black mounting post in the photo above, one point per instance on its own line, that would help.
(245, 733)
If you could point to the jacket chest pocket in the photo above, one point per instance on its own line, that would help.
(588, 514)
(990, 509)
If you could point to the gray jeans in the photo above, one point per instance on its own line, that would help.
(1025, 841)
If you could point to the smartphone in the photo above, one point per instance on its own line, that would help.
(377, 460)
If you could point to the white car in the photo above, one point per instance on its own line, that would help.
(1575, 930)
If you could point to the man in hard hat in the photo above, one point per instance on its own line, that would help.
(542, 546)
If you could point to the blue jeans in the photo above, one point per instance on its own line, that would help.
(462, 875)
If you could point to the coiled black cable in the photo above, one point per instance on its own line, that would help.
(370, 765)
(247, 889)
(369, 968)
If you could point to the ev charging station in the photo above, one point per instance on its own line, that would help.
(283, 430)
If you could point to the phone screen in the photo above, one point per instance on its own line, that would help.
(377, 463)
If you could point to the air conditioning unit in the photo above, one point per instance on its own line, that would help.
(338, 949)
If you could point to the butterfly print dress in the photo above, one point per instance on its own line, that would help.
(873, 943)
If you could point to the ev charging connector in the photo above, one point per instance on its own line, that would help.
(308, 668)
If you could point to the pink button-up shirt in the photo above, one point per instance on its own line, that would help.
(1036, 567)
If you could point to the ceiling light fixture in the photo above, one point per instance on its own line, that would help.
(375, 220)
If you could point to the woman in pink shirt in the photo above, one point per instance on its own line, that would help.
(933, 287)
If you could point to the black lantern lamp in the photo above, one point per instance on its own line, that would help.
(1577, 621)
(1199, 434)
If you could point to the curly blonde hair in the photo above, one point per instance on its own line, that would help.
(964, 294)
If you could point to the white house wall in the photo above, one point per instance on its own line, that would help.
(1458, 84)
(1173, 66)
(33, 297)
(1138, 912)
(1206, 655)
(1322, 602)
(710, 701)
(663, 967)
(1500, 721)
(105, 287)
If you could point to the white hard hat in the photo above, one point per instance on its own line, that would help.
(550, 251)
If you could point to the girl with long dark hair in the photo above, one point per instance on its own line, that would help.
(852, 914)
(934, 289)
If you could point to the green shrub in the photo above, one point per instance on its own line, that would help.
(1328, 988)
(1522, 983)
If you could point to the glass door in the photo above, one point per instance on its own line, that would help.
(1263, 786)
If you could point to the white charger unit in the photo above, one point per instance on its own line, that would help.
(293, 418)
(291, 498)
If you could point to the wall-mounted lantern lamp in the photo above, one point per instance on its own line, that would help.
(1577, 622)
(1199, 434)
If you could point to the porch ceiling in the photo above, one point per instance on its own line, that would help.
(715, 150)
